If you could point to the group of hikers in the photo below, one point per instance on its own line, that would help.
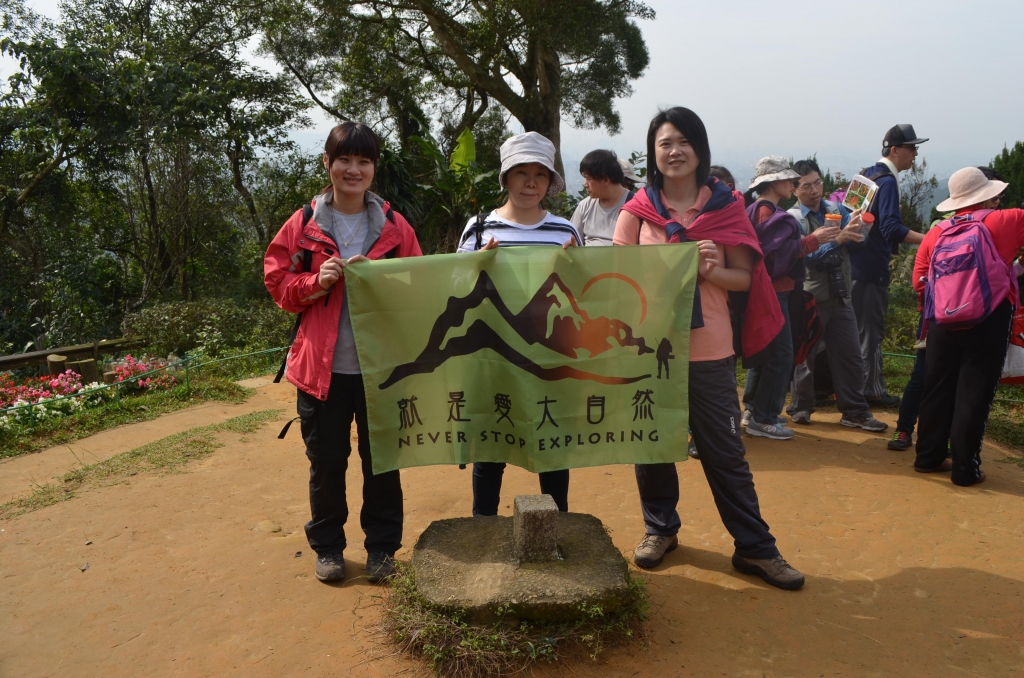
(763, 272)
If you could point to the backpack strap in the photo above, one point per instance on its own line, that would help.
(307, 266)
(478, 229)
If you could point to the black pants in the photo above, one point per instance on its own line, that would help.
(961, 375)
(715, 423)
(487, 487)
(326, 428)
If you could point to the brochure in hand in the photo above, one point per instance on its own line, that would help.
(859, 194)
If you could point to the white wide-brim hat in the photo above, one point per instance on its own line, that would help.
(969, 186)
(530, 147)
(772, 168)
(628, 173)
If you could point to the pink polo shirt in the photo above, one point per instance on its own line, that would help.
(714, 340)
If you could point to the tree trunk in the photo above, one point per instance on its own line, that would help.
(545, 107)
(235, 157)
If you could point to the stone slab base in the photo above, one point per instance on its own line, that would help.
(467, 563)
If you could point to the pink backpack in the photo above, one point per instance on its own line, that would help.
(967, 278)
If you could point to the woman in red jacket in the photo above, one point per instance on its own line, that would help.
(962, 367)
(304, 270)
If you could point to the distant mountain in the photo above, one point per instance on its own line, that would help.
(551, 318)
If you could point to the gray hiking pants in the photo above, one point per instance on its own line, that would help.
(871, 303)
(840, 334)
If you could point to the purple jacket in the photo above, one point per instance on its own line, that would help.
(779, 235)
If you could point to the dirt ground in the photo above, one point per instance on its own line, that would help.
(200, 574)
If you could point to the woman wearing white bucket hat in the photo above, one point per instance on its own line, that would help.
(528, 174)
(764, 394)
(963, 366)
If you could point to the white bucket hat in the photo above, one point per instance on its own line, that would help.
(627, 171)
(772, 168)
(531, 147)
(968, 186)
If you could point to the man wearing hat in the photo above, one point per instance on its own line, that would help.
(963, 366)
(869, 290)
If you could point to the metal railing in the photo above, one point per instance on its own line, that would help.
(188, 364)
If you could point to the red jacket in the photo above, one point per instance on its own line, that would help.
(297, 291)
(1006, 227)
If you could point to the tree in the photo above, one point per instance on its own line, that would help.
(1010, 164)
(916, 190)
(539, 59)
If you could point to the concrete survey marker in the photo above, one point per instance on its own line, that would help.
(543, 565)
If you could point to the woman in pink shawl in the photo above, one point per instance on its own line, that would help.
(683, 203)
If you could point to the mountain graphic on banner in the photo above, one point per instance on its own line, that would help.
(551, 319)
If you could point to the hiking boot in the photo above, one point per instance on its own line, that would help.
(900, 441)
(745, 421)
(773, 431)
(652, 549)
(692, 450)
(330, 567)
(776, 571)
(886, 402)
(379, 566)
(864, 421)
(802, 417)
(945, 467)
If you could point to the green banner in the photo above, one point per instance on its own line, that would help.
(537, 356)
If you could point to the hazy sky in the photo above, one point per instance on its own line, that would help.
(799, 77)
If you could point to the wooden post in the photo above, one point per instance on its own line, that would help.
(87, 368)
(96, 350)
(56, 363)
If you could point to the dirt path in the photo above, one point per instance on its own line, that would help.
(19, 475)
(907, 574)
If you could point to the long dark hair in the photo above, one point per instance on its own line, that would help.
(351, 138)
(690, 126)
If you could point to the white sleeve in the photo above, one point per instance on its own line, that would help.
(467, 243)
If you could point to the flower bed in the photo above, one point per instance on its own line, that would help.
(64, 394)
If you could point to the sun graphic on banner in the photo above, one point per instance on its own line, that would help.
(626, 279)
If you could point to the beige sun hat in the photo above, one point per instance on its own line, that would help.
(627, 171)
(531, 147)
(968, 186)
(772, 168)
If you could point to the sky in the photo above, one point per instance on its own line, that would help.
(801, 77)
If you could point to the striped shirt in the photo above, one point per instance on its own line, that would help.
(551, 230)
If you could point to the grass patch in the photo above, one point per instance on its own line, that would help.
(452, 646)
(167, 455)
(131, 410)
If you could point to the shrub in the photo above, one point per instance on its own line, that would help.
(211, 325)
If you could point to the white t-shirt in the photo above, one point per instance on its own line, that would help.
(550, 230)
(596, 223)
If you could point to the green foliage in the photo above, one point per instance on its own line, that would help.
(457, 190)
(452, 646)
(211, 325)
(167, 455)
(1010, 164)
(917, 187)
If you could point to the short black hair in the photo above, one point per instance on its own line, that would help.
(690, 126)
(991, 174)
(602, 164)
(805, 167)
(352, 138)
(723, 175)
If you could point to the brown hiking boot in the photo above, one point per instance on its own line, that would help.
(776, 571)
(652, 549)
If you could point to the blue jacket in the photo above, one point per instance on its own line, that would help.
(871, 263)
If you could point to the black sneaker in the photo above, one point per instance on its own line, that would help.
(864, 421)
(886, 402)
(379, 566)
(900, 441)
(330, 567)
